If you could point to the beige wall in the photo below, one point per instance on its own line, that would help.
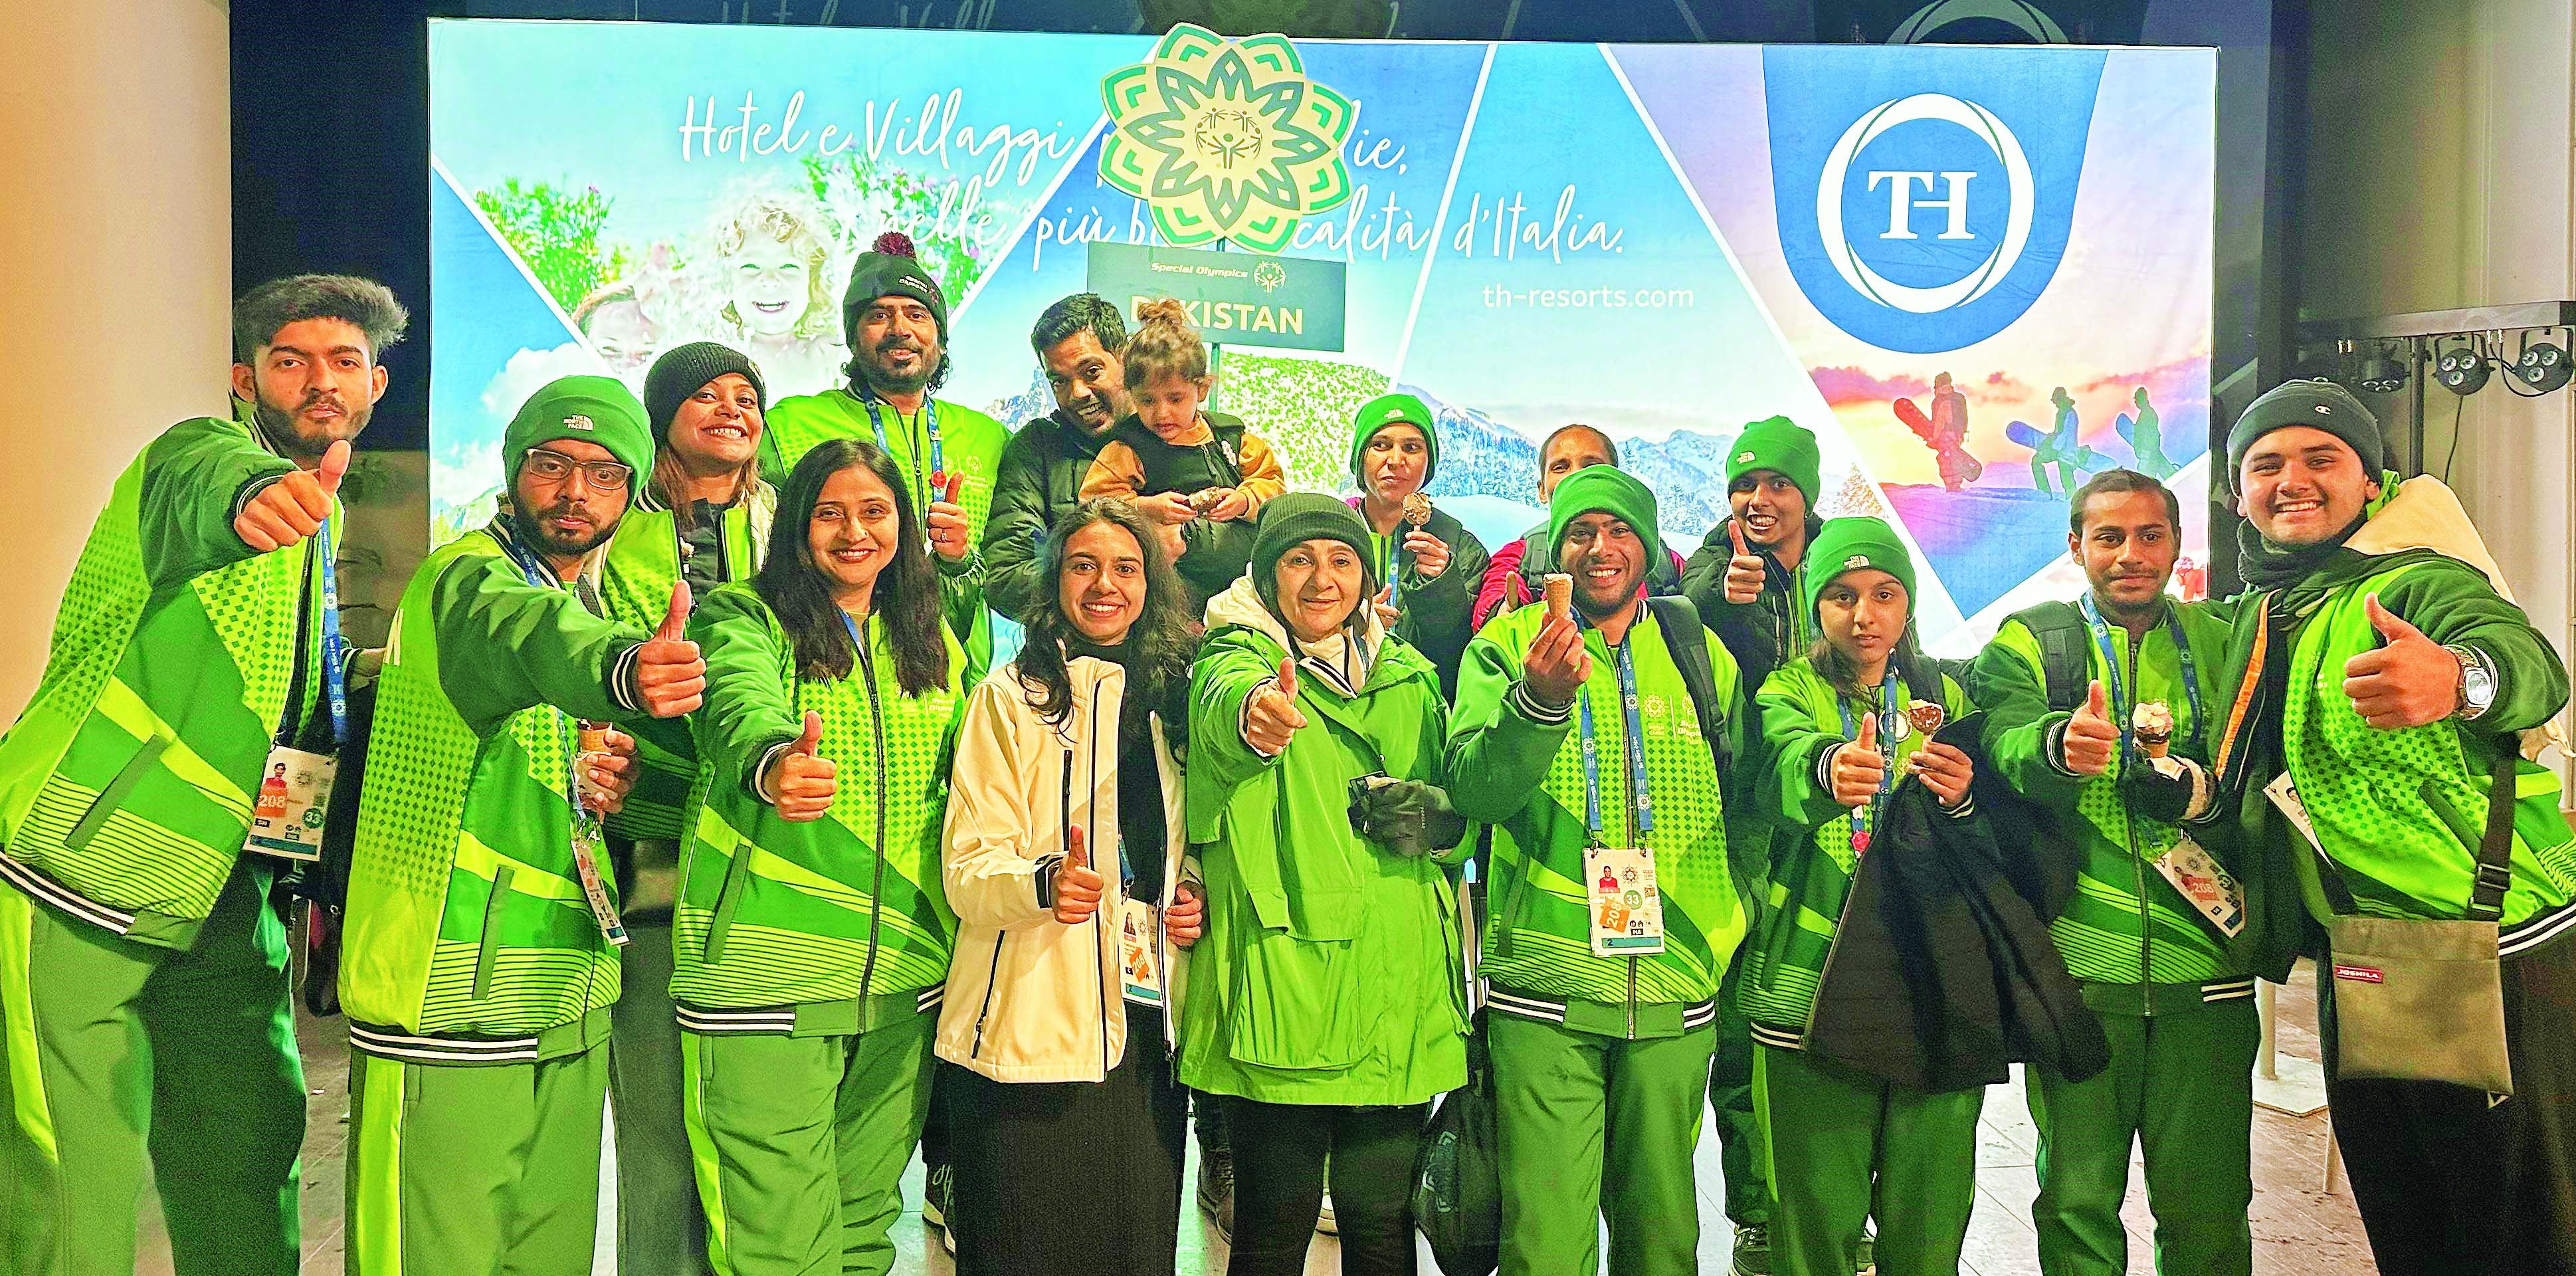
(116, 249)
(2439, 176)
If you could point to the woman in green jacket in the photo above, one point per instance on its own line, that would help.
(1846, 724)
(702, 515)
(1325, 1001)
(812, 937)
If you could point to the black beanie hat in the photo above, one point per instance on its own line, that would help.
(682, 371)
(2317, 404)
(890, 268)
(1296, 518)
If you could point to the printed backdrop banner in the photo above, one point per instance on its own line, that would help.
(1979, 274)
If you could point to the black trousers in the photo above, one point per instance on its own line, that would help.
(1074, 1177)
(1279, 1155)
(2449, 1186)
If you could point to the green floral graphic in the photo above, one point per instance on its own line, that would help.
(1226, 139)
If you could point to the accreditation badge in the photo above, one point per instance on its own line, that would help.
(294, 798)
(2206, 884)
(1627, 909)
(1140, 965)
(594, 888)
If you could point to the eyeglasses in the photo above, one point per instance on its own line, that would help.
(555, 467)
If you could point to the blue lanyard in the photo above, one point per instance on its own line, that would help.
(2120, 708)
(538, 574)
(1394, 562)
(1891, 702)
(1636, 749)
(929, 428)
(335, 679)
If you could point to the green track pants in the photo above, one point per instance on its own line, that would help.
(115, 1051)
(2182, 1085)
(475, 1170)
(801, 1144)
(1596, 1128)
(660, 1229)
(1739, 1132)
(1847, 1147)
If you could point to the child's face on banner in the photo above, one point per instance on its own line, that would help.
(769, 287)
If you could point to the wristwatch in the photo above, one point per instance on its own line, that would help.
(2477, 688)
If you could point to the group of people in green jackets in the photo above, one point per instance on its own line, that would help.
(692, 786)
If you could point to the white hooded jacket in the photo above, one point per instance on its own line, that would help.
(1030, 999)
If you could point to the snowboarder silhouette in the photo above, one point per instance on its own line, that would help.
(1945, 431)
(2146, 438)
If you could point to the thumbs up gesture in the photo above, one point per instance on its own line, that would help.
(1387, 612)
(1077, 884)
(800, 780)
(293, 507)
(2407, 681)
(1859, 767)
(945, 520)
(670, 678)
(1744, 572)
(2091, 737)
(1270, 718)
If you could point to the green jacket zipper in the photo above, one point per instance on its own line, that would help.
(2137, 862)
(876, 882)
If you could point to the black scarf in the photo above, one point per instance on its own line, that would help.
(2264, 565)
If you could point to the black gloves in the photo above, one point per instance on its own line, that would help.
(1407, 817)
(2183, 795)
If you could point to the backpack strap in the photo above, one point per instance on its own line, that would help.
(2065, 655)
(1687, 639)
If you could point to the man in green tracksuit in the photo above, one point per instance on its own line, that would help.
(480, 958)
(1571, 736)
(2397, 680)
(896, 321)
(143, 992)
(1748, 579)
(2061, 686)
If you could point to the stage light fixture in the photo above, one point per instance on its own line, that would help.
(2463, 369)
(2543, 366)
(2382, 373)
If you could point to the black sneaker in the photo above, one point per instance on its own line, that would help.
(1216, 1190)
(1752, 1250)
(938, 1197)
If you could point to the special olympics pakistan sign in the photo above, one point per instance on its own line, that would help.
(1290, 302)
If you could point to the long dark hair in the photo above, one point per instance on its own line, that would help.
(906, 596)
(1160, 645)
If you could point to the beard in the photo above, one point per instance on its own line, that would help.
(882, 375)
(278, 424)
(548, 544)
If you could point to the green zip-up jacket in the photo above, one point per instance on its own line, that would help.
(1811, 875)
(1434, 612)
(635, 586)
(2402, 812)
(820, 924)
(2128, 936)
(126, 785)
(970, 443)
(469, 938)
(1519, 766)
(1332, 970)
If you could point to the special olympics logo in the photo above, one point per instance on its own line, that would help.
(1226, 139)
(1270, 275)
(1909, 190)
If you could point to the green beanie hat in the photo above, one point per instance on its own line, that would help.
(1777, 444)
(1849, 544)
(1296, 518)
(2319, 405)
(593, 409)
(1394, 409)
(890, 268)
(1611, 490)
